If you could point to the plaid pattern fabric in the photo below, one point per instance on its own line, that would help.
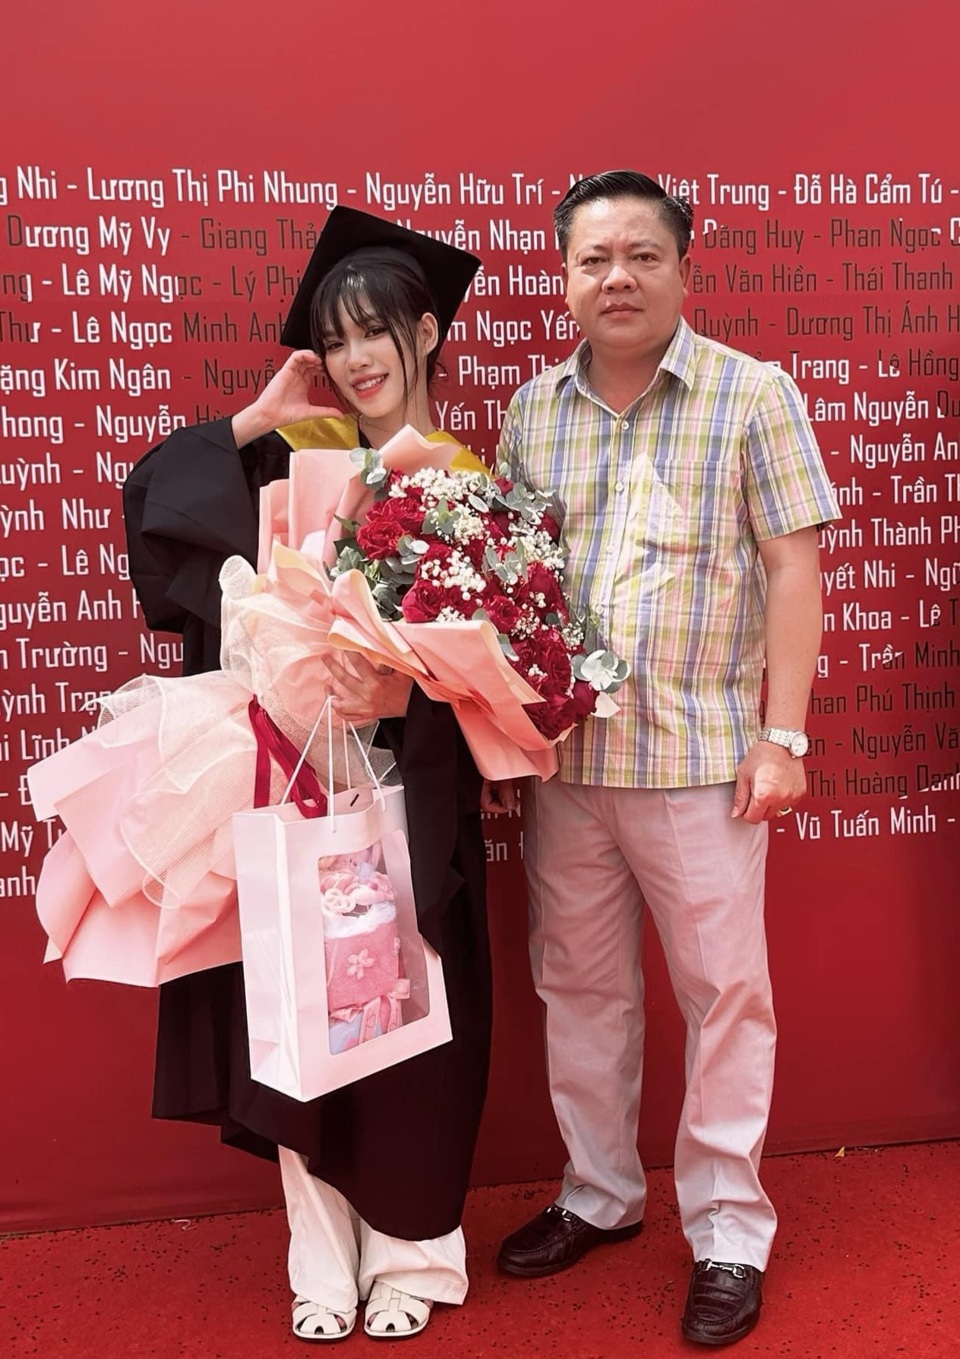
(663, 506)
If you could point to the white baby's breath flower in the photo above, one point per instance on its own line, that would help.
(469, 527)
(438, 484)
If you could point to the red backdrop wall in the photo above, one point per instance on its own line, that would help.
(161, 176)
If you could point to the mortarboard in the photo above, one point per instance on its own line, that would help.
(448, 271)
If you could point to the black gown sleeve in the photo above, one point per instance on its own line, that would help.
(442, 797)
(190, 503)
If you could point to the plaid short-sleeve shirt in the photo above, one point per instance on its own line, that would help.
(663, 506)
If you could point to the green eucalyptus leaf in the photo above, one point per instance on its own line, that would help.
(411, 550)
(372, 471)
(349, 559)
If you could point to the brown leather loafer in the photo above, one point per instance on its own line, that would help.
(723, 1302)
(555, 1240)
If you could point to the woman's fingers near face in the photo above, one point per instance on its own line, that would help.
(305, 358)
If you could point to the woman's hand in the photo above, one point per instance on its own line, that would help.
(284, 400)
(362, 692)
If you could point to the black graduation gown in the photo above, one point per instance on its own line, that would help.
(398, 1144)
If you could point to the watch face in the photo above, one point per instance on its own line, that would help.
(799, 745)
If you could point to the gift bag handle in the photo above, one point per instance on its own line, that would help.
(298, 771)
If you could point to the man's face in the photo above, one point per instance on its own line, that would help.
(625, 279)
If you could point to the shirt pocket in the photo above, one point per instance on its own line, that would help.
(691, 507)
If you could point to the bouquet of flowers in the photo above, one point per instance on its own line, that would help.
(445, 545)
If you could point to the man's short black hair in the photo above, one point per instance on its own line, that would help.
(676, 213)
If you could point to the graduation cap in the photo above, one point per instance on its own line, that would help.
(448, 271)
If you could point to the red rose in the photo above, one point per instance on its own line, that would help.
(526, 653)
(437, 551)
(424, 600)
(541, 581)
(473, 549)
(584, 699)
(554, 661)
(411, 503)
(386, 523)
(378, 537)
(553, 716)
(504, 613)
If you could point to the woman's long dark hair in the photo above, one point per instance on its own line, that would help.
(382, 286)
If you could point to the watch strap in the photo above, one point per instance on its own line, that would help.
(781, 736)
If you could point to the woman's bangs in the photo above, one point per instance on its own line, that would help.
(357, 296)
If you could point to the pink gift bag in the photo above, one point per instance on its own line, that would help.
(339, 982)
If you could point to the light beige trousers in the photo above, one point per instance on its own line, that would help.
(595, 858)
(335, 1257)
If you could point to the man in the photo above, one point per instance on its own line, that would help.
(691, 487)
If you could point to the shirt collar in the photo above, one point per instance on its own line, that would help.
(680, 360)
(681, 356)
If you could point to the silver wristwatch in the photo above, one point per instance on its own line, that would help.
(797, 742)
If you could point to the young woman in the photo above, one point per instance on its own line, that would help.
(374, 1174)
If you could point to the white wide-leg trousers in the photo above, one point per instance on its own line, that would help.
(335, 1257)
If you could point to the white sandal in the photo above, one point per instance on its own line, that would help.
(393, 1315)
(314, 1322)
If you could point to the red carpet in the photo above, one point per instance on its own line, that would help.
(867, 1266)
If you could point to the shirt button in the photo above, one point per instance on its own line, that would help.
(619, 488)
(626, 424)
